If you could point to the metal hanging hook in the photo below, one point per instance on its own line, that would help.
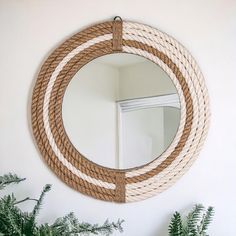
(117, 18)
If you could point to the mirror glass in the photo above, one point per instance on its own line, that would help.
(121, 111)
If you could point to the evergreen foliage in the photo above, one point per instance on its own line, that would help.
(8, 179)
(176, 226)
(14, 222)
(69, 225)
(195, 224)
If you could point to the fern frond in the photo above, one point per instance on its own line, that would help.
(206, 220)
(193, 220)
(195, 224)
(176, 225)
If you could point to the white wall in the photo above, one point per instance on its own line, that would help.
(31, 29)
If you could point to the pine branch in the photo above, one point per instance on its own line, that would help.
(176, 225)
(10, 216)
(70, 226)
(14, 222)
(106, 229)
(26, 199)
(9, 179)
(13, 218)
(36, 209)
(31, 223)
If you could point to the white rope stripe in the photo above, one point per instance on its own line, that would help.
(52, 142)
(148, 184)
(159, 48)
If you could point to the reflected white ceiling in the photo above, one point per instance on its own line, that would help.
(120, 59)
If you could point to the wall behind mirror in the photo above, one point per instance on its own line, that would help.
(210, 181)
(121, 111)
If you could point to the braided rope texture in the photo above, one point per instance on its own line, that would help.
(75, 169)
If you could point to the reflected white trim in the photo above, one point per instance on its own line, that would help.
(170, 100)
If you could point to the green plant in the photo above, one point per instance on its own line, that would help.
(14, 222)
(195, 224)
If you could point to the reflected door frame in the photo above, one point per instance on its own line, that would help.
(169, 100)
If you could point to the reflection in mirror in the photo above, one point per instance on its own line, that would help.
(121, 111)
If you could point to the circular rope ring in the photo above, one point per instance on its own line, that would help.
(75, 169)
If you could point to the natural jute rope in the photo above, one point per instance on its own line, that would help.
(75, 169)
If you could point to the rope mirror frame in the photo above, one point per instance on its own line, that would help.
(75, 169)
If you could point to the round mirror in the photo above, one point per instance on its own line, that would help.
(121, 111)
